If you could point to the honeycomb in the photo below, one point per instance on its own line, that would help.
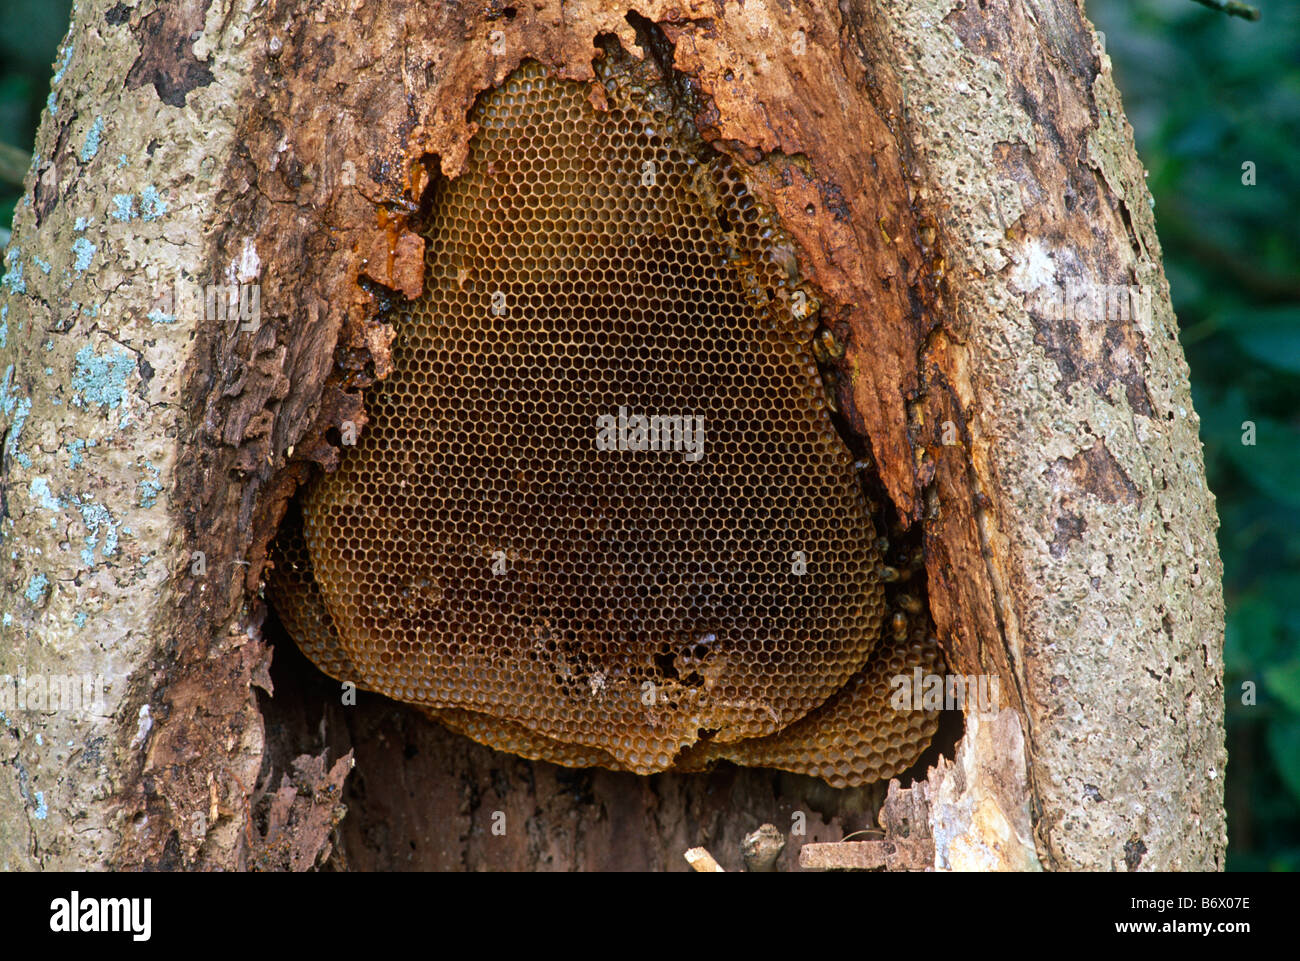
(601, 515)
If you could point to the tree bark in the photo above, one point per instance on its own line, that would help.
(947, 169)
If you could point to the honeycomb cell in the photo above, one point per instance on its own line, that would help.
(600, 515)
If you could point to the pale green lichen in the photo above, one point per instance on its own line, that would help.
(99, 522)
(149, 491)
(151, 487)
(63, 63)
(90, 146)
(8, 393)
(36, 589)
(40, 493)
(102, 379)
(21, 407)
(123, 207)
(13, 278)
(76, 450)
(149, 205)
(84, 250)
(152, 206)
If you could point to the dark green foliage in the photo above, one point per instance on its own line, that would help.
(30, 31)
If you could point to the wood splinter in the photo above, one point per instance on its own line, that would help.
(895, 854)
(704, 862)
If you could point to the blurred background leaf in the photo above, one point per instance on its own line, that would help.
(1284, 739)
(30, 31)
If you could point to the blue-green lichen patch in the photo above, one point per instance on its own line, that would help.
(101, 379)
(12, 402)
(13, 278)
(123, 207)
(91, 145)
(84, 251)
(20, 407)
(63, 63)
(77, 450)
(148, 204)
(41, 495)
(43, 264)
(99, 525)
(151, 487)
(8, 393)
(36, 589)
(152, 206)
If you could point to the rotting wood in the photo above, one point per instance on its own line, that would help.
(892, 855)
(702, 861)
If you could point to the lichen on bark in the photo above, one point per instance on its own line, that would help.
(119, 203)
(1098, 527)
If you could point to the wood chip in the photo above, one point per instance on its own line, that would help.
(701, 860)
(895, 854)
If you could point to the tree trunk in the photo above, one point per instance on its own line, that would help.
(961, 185)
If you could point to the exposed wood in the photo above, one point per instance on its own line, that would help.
(914, 855)
(702, 861)
(423, 798)
(762, 847)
